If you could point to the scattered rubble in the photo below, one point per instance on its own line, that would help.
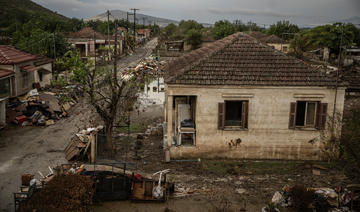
(40, 108)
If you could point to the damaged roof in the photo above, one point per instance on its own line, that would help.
(9, 55)
(240, 59)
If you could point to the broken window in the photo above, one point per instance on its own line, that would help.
(285, 49)
(154, 89)
(308, 114)
(233, 114)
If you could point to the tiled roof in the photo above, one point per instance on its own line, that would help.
(10, 55)
(240, 59)
(87, 32)
(272, 39)
(29, 68)
(352, 76)
(258, 35)
(4, 72)
(41, 60)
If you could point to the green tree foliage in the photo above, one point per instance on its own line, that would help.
(193, 37)
(327, 36)
(282, 28)
(185, 26)
(350, 142)
(170, 30)
(222, 29)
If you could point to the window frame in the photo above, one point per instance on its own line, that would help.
(320, 116)
(222, 116)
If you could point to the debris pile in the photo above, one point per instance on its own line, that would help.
(80, 144)
(63, 193)
(321, 199)
(39, 108)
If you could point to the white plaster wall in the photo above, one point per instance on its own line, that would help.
(149, 97)
(267, 136)
(46, 75)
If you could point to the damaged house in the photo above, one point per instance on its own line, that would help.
(239, 98)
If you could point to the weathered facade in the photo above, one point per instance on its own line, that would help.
(22, 66)
(5, 93)
(273, 41)
(239, 98)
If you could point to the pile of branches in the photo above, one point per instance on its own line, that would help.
(63, 193)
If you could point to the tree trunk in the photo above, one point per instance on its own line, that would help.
(108, 132)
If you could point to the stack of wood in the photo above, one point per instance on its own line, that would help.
(78, 147)
(82, 145)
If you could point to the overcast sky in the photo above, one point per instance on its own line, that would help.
(301, 12)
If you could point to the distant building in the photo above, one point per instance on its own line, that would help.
(153, 93)
(273, 41)
(91, 43)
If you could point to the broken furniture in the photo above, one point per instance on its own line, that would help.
(152, 190)
(186, 126)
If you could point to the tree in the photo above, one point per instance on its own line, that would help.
(170, 30)
(282, 28)
(112, 94)
(222, 29)
(193, 37)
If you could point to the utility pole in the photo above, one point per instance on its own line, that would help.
(127, 20)
(94, 39)
(115, 55)
(134, 9)
(337, 74)
(108, 31)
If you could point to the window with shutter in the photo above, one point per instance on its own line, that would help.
(323, 116)
(307, 114)
(292, 115)
(233, 115)
(244, 116)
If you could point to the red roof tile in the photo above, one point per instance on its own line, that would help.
(10, 55)
(29, 68)
(87, 32)
(240, 59)
(4, 72)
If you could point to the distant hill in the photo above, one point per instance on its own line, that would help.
(354, 20)
(119, 14)
(11, 10)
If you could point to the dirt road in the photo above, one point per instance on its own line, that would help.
(33, 149)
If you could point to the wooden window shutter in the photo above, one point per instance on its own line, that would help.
(318, 116)
(221, 116)
(292, 117)
(323, 115)
(244, 115)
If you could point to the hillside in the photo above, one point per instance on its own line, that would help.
(20, 10)
(119, 14)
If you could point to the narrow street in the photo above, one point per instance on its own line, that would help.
(31, 149)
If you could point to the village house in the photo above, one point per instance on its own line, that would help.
(154, 92)
(239, 98)
(19, 73)
(27, 69)
(91, 43)
(272, 40)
